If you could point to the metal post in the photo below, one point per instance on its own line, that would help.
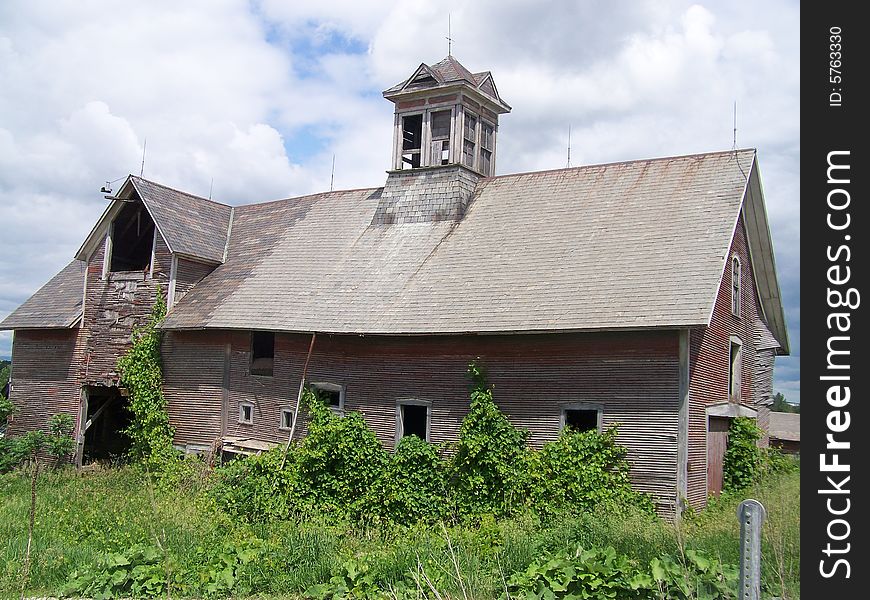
(751, 514)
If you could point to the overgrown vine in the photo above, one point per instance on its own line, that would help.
(743, 457)
(142, 375)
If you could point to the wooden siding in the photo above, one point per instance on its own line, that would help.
(187, 274)
(763, 382)
(44, 376)
(114, 306)
(709, 363)
(634, 376)
(193, 366)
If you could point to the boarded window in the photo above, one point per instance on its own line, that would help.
(132, 239)
(441, 125)
(286, 418)
(262, 353)
(735, 369)
(412, 140)
(582, 419)
(735, 286)
(246, 413)
(413, 420)
(487, 141)
(440, 137)
(469, 144)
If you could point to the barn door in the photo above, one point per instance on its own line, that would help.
(717, 442)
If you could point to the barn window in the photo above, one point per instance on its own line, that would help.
(735, 368)
(412, 141)
(487, 145)
(440, 127)
(582, 417)
(246, 413)
(735, 286)
(412, 418)
(131, 239)
(286, 418)
(469, 142)
(332, 394)
(262, 353)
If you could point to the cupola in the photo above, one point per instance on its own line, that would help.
(446, 115)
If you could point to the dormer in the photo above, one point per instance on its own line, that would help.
(446, 115)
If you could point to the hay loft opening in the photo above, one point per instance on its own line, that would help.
(132, 239)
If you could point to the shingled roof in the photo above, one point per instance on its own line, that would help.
(628, 245)
(56, 305)
(785, 426)
(191, 225)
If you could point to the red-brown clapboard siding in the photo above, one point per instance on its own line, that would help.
(634, 376)
(187, 274)
(709, 362)
(44, 376)
(113, 308)
(193, 366)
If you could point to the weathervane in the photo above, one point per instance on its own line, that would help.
(449, 39)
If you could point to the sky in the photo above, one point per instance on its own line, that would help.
(250, 101)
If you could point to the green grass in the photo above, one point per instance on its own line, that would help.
(81, 516)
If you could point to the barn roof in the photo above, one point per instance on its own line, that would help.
(191, 225)
(638, 244)
(56, 305)
(785, 426)
(629, 245)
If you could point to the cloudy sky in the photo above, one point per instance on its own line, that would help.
(253, 98)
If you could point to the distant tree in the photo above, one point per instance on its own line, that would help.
(4, 376)
(780, 404)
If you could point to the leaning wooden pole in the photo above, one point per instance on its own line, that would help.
(298, 399)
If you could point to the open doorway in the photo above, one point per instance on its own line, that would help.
(107, 417)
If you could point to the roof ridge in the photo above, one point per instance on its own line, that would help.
(177, 191)
(626, 162)
(312, 195)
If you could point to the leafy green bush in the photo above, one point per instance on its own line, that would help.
(743, 457)
(137, 573)
(489, 469)
(602, 573)
(58, 444)
(414, 486)
(580, 470)
(254, 489)
(337, 462)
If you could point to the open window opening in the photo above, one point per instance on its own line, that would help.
(582, 418)
(107, 417)
(412, 141)
(287, 416)
(246, 413)
(262, 353)
(132, 239)
(413, 419)
(440, 126)
(330, 393)
(735, 368)
(735, 286)
(487, 144)
(469, 142)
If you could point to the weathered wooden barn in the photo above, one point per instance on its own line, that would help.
(642, 293)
